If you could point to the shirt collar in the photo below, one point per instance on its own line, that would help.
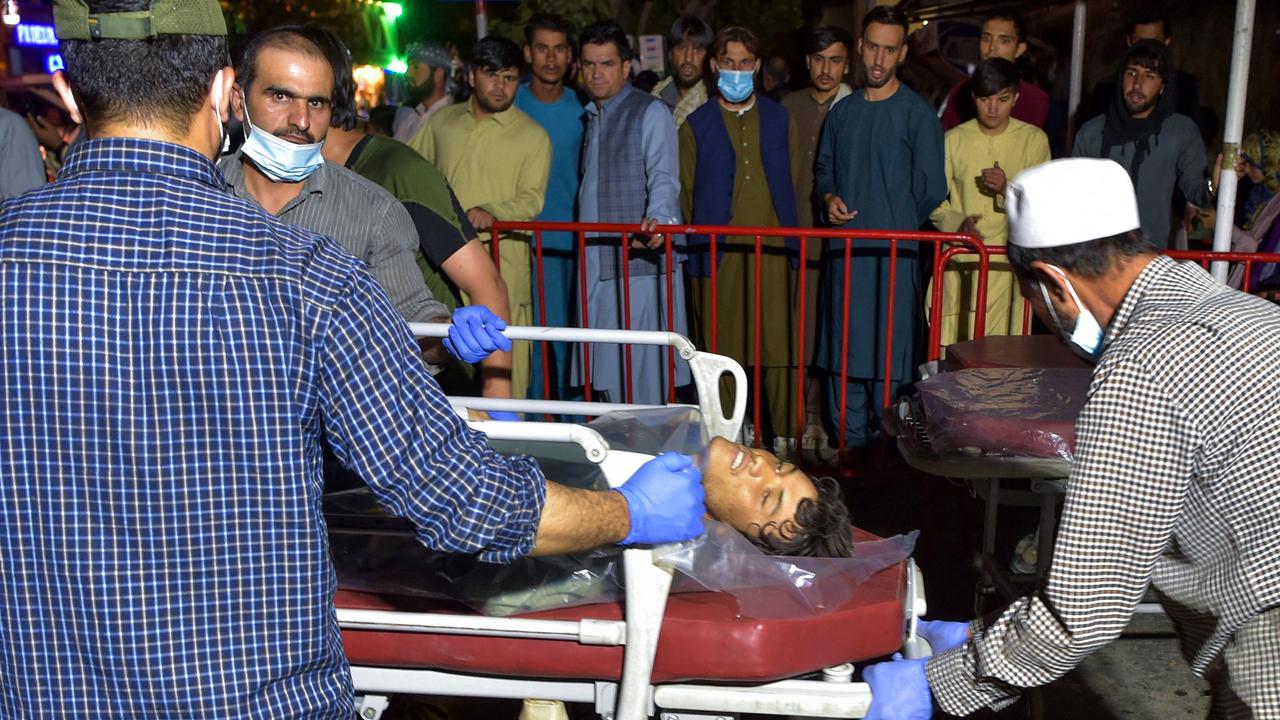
(136, 155)
(1160, 266)
(233, 170)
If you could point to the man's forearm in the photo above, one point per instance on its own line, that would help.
(495, 370)
(574, 520)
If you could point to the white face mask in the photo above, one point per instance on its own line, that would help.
(1087, 335)
(278, 159)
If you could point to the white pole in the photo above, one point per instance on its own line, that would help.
(1077, 69)
(1233, 130)
(482, 21)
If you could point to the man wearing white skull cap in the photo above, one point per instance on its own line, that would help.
(1174, 483)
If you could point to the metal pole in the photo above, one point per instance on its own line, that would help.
(1077, 71)
(1233, 129)
(482, 21)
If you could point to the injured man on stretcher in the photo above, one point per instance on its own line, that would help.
(778, 507)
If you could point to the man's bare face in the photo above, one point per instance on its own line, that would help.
(495, 89)
(994, 110)
(549, 55)
(1000, 39)
(604, 72)
(883, 47)
(1142, 89)
(687, 60)
(751, 489)
(827, 68)
(290, 97)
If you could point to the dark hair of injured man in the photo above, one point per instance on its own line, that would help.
(1089, 259)
(778, 507)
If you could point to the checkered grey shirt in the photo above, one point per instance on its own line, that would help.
(1174, 486)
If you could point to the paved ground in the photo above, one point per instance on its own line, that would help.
(1139, 677)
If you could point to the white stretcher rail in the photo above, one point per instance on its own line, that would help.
(706, 369)
(586, 632)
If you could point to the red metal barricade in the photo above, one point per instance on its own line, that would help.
(931, 246)
(1205, 258)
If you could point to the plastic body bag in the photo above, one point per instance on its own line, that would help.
(1004, 411)
(375, 552)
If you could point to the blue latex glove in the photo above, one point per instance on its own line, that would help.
(942, 635)
(899, 690)
(503, 416)
(475, 333)
(665, 501)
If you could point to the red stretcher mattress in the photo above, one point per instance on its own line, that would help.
(1013, 351)
(703, 638)
(1018, 412)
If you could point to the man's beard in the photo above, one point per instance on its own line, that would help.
(884, 79)
(1134, 110)
(483, 102)
(686, 84)
(418, 93)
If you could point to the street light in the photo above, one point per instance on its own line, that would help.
(11, 16)
(397, 66)
(392, 10)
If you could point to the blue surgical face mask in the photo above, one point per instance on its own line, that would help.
(279, 159)
(1087, 335)
(736, 85)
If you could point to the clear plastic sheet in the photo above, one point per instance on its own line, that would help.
(1020, 412)
(375, 552)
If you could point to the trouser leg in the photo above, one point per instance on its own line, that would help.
(855, 424)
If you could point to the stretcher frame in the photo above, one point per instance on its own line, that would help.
(648, 584)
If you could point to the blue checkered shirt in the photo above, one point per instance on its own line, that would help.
(170, 359)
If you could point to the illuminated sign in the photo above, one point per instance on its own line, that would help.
(38, 35)
(53, 63)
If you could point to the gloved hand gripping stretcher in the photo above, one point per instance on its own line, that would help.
(724, 651)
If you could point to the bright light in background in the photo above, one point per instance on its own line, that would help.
(11, 16)
(392, 10)
(926, 22)
(397, 66)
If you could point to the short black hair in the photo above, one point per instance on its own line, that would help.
(383, 118)
(824, 36)
(604, 32)
(820, 527)
(553, 23)
(690, 28)
(161, 82)
(496, 53)
(342, 102)
(1148, 14)
(993, 75)
(1091, 259)
(285, 37)
(1013, 18)
(1152, 55)
(885, 15)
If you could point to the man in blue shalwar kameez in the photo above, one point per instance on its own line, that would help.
(879, 167)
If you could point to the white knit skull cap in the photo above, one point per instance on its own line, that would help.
(1070, 201)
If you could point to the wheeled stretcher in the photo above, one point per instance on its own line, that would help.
(1001, 417)
(697, 654)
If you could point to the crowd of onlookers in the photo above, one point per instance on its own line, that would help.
(564, 127)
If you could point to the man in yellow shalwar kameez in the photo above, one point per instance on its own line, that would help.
(982, 155)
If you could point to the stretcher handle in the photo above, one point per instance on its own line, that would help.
(577, 335)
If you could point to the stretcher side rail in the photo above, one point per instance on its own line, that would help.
(706, 369)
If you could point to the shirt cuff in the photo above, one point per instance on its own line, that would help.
(953, 679)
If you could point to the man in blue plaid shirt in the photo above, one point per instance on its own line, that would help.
(171, 358)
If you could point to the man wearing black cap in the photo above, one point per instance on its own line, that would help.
(1157, 146)
(172, 361)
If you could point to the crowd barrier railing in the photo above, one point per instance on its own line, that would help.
(1205, 258)
(931, 248)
